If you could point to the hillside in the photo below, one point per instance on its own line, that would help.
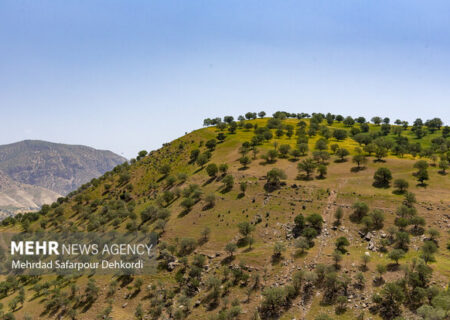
(54, 169)
(290, 217)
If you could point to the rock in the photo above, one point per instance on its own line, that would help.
(196, 303)
(369, 236)
(172, 265)
(125, 304)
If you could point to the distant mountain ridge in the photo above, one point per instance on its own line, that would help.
(55, 167)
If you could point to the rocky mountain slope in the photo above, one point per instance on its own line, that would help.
(39, 171)
(16, 196)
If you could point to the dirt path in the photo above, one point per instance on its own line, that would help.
(324, 239)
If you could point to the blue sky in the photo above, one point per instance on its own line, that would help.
(131, 75)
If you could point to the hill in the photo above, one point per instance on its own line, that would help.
(293, 216)
(53, 169)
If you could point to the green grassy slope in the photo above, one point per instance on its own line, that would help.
(116, 202)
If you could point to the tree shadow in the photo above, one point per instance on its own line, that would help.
(242, 242)
(363, 268)
(162, 178)
(393, 267)
(240, 195)
(243, 168)
(422, 185)
(208, 181)
(399, 192)
(198, 170)
(225, 189)
(276, 259)
(183, 213)
(227, 260)
(134, 294)
(381, 185)
(304, 177)
(207, 207)
(378, 281)
(357, 169)
(340, 160)
(300, 254)
(125, 280)
(270, 187)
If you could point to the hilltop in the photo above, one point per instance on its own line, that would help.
(293, 216)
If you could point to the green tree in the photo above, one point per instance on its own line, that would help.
(337, 257)
(443, 165)
(230, 248)
(210, 200)
(342, 153)
(315, 220)
(164, 169)
(321, 144)
(228, 182)
(303, 148)
(339, 214)
(271, 156)
(359, 159)
(243, 186)
(302, 244)
(380, 152)
(187, 203)
(308, 166)
(382, 177)
(211, 144)
(360, 209)
(284, 150)
(340, 134)
(401, 185)
(212, 169)
(433, 234)
(396, 255)
(322, 170)
(278, 249)
(341, 243)
(422, 175)
(274, 177)
(429, 248)
(202, 159)
(381, 269)
(245, 161)
(245, 229)
(223, 168)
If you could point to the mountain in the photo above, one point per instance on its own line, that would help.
(16, 196)
(41, 171)
(271, 218)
